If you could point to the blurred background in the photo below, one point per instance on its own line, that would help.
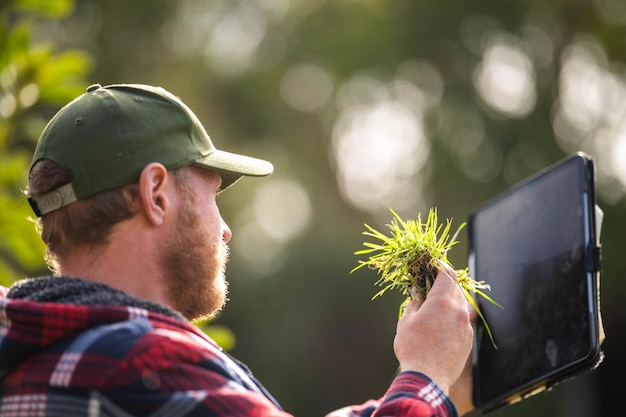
(362, 106)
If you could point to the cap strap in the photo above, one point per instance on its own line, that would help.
(56, 199)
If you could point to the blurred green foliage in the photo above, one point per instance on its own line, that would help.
(34, 75)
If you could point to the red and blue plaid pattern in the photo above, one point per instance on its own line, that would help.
(76, 360)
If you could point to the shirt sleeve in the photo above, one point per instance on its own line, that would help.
(410, 394)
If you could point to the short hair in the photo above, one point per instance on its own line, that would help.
(88, 221)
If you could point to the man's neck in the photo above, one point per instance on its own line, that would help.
(123, 263)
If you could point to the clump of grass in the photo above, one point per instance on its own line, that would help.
(410, 258)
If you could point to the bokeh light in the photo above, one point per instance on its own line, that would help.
(505, 78)
(307, 87)
(379, 144)
(590, 114)
(282, 209)
(281, 212)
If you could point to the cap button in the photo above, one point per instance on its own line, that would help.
(93, 87)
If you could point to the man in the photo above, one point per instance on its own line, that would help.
(124, 180)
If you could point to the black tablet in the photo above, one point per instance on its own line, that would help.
(537, 246)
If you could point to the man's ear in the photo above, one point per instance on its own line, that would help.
(153, 199)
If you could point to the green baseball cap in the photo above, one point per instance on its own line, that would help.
(104, 138)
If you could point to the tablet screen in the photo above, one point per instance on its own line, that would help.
(529, 245)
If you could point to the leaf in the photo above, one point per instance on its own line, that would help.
(61, 78)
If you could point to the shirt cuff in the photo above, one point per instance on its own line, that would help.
(412, 384)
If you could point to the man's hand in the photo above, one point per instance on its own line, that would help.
(434, 336)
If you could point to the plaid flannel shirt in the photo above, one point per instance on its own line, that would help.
(76, 360)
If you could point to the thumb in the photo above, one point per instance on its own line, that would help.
(446, 280)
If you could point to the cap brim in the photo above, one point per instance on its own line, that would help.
(232, 166)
